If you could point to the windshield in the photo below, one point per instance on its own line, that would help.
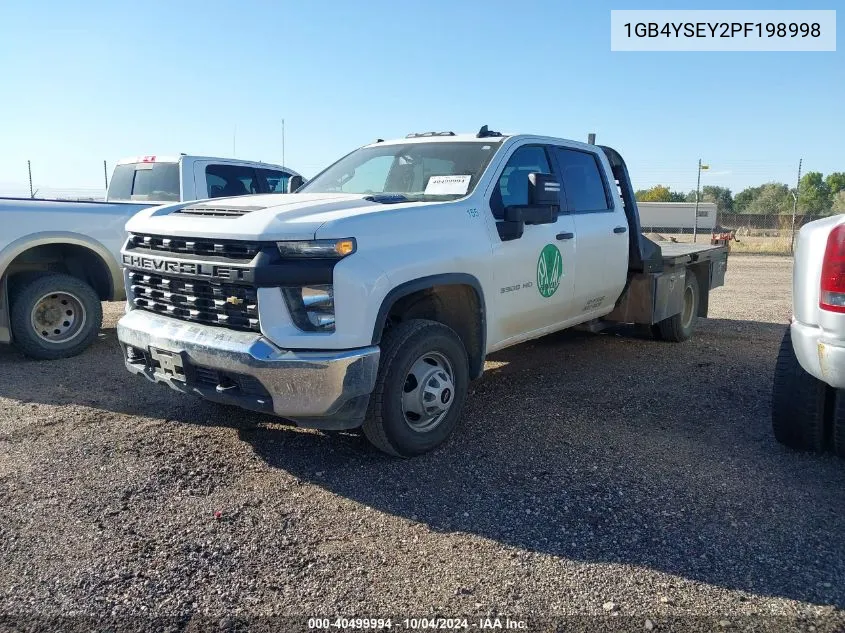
(158, 182)
(415, 171)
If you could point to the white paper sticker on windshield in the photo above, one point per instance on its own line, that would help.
(447, 185)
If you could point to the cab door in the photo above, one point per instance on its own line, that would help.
(595, 206)
(533, 273)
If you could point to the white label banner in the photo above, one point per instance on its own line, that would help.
(723, 30)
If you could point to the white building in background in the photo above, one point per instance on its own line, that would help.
(676, 217)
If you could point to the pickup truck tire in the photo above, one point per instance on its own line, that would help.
(798, 402)
(679, 327)
(838, 435)
(420, 389)
(54, 315)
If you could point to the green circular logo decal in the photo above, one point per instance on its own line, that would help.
(549, 270)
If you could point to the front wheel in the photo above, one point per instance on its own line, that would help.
(54, 316)
(421, 388)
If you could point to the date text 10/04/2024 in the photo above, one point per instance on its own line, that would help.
(417, 623)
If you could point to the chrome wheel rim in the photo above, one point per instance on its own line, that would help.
(428, 392)
(689, 302)
(58, 317)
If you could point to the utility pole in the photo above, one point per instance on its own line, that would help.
(695, 221)
(795, 208)
(234, 137)
(106, 175)
(29, 169)
(591, 138)
(283, 143)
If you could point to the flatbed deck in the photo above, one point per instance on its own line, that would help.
(675, 253)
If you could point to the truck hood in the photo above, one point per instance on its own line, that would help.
(290, 216)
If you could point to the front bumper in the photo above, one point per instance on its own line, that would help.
(321, 389)
(819, 354)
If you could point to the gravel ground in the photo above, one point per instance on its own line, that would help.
(593, 474)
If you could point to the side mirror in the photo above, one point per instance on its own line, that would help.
(531, 214)
(294, 183)
(543, 190)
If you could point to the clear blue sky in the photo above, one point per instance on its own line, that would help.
(94, 80)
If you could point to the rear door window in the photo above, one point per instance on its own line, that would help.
(156, 182)
(582, 181)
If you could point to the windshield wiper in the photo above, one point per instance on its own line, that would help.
(388, 198)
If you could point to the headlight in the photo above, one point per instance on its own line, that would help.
(311, 307)
(326, 249)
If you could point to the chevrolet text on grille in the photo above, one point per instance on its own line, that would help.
(200, 269)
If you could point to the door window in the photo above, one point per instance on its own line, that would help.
(582, 181)
(273, 180)
(231, 180)
(512, 188)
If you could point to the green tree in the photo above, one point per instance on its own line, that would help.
(813, 194)
(838, 205)
(720, 195)
(658, 193)
(835, 182)
(744, 198)
(773, 198)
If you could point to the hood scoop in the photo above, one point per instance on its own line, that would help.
(213, 211)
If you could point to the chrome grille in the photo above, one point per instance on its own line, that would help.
(208, 302)
(194, 246)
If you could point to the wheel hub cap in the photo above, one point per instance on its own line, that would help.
(57, 317)
(429, 392)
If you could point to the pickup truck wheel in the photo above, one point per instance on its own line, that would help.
(798, 402)
(420, 390)
(679, 327)
(54, 316)
(838, 435)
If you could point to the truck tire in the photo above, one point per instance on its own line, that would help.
(838, 435)
(798, 402)
(679, 327)
(420, 390)
(54, 316)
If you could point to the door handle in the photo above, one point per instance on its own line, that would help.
(620, 229)
(565, 236)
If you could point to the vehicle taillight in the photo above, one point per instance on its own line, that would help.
(832, 295)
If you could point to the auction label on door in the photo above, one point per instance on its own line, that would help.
(549, 270)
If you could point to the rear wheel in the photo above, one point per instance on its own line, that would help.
(421, 388)
(54, 316)
(838, 435)
(799, 401)
(679, 327)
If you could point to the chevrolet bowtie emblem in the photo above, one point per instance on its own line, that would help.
(235, 301)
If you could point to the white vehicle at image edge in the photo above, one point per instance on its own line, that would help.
(808, 395)
(371, 297)
(60, 258)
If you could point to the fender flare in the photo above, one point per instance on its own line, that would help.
(23, 244)
(423, 283)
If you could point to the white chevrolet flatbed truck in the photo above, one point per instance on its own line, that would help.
(60, 258)
(808, 395)
(371, 297)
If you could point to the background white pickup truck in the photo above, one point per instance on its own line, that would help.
(59, 259)
(808, 395)
(372, 296)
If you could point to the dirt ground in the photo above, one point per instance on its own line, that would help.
(592, 475)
